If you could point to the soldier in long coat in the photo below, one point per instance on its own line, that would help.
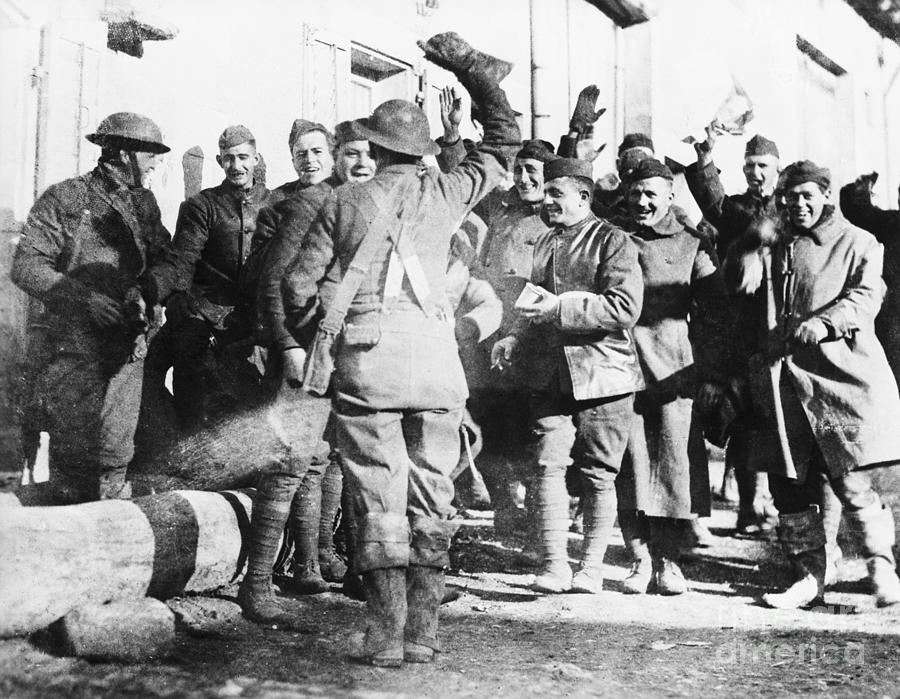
(820, 379)
(83, 254)
(398, 385)
(681, 343)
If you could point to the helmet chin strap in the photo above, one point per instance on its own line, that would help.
(135, 170)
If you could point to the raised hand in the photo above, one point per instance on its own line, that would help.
(447, 50)
(704, 148)
(584, 150)
(451, 113)
(583, 116)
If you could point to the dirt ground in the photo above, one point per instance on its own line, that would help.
(502, 640)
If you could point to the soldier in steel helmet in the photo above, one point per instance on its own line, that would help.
(83, 254)
(379, 251)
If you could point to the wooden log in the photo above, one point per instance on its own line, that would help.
(55, 559)
(130, 630)
(230, 454)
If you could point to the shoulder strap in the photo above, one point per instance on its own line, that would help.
(359, 267)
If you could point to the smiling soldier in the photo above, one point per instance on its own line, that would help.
(303, 489)
(578, 349)
(199, 283)
(665, 481)
(820, 378)
(499, 402)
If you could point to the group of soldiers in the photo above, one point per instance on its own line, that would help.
(384, 312)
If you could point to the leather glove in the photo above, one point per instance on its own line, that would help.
(584, 116)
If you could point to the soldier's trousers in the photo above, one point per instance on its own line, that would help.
(91, 407)
(594, 431)
(397, 467)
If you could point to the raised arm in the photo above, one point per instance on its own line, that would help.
(857, 207)
(484, 167)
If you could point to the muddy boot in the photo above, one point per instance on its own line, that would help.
(424, 594)
(271, 508)
(667, 577)
(599, 510)
(636, 533)
(331, 565)
(451, 52)
(668, 537)
(306, 578)
(802, 536)
(552, 502)
(382, 642)
(873, 528)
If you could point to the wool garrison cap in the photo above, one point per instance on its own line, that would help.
(760, 145)
(568, 167)
(343, 133)
(650, 167)
(302, 126)
(235, 136)
(805, 171)
(537, 150)
(636, 140)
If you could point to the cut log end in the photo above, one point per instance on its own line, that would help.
(128, 630)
